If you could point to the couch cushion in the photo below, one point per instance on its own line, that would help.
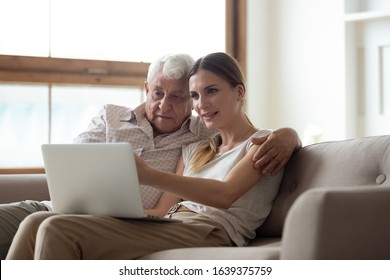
(217, 253)
(356, 162)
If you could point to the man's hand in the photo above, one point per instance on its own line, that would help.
(275, 150)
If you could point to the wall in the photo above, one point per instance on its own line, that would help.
(257, 61)
(295, 69)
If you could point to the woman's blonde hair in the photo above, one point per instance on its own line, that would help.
(227, 68)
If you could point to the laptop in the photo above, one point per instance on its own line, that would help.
(94, 178)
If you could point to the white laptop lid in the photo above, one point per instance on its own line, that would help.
(93, 178)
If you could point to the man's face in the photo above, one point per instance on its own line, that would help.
(168, 103)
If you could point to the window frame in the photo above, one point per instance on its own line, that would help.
(66, 71)
(49, 70)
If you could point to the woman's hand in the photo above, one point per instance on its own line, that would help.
(143, 169)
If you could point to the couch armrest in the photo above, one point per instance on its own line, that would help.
(339, 223)
(17, 187)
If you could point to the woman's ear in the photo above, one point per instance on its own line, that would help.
(240, 92)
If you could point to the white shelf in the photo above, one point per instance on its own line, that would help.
(366, 16)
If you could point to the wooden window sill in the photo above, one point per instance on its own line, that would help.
(23, 170)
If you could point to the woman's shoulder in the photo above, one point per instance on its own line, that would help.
(189, 148)
(259, 133)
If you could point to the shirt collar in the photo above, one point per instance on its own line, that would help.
(131, 115)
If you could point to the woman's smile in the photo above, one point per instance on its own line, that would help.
(209, 116)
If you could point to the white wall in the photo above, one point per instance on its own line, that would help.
(257, 62)
(295, 68)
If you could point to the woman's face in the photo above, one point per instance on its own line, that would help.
(214, 99)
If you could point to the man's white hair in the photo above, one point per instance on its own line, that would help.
(171, 66)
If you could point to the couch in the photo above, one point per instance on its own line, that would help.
(333, 203)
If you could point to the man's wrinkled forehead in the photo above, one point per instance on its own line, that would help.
(169, 90)
(171, 85)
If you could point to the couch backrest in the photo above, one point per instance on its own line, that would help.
(356, 162)
(17, 187)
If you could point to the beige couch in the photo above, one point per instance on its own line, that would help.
(334, 203)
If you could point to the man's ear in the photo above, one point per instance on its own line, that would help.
(146, 87)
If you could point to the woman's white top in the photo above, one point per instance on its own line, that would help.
(246, 214)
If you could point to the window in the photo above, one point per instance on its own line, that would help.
(23, 124)
(62, 60)
(117, 30)
(28, 119)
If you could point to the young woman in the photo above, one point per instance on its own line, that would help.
(224, 198)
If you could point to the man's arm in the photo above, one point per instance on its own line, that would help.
(96, 131)
(275, 150)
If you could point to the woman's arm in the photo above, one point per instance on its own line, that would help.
(166, 201)
(221, 194)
